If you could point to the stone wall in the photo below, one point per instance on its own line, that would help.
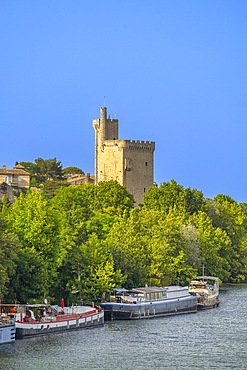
(130, 162)
(6, 189)
(139, 166)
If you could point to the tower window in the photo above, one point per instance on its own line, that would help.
(146, 163)
(144, 190)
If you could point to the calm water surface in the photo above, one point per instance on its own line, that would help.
(213, 339)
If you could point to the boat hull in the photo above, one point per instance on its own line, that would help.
(26, 329)
(7, 333)
(149, 309)
(211, 304)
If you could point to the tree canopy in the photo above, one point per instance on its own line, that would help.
(80, 242)
(43, 170)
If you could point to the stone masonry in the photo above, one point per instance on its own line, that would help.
(129, 162)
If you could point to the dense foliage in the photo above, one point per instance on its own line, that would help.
(85, 240)
(44, 169)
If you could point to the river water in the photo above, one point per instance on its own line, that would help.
(212, 339)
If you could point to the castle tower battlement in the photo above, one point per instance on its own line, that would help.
(107, 128)
(130, 144)
(130, 162)
(140, 145)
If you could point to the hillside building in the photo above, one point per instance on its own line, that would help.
(129, 162)
(16, 177)
(77, 179)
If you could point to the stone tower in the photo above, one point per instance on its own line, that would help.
(127, 161)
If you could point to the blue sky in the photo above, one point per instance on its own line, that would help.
(171, 71)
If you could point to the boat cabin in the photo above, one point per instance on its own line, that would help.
(201, 283)
(136, 295)
(122, 295)
(198, 285)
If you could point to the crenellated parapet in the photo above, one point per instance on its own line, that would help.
(140, 145)
(131, 144)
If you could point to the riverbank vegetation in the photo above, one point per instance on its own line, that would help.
(85, 240)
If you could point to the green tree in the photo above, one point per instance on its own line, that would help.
(103, 279)
(9, 247)
(72, 171)
(98, 273)
(29, 281)
(171, 194)
(87, 272)
(232, 218)
(73, 206)
(174, 251)
(43, 169)
(215, 247)
(50, 187)
(32, 220)
(112, 197)
(128, 243)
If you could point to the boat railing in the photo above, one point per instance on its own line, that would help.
(60, 317)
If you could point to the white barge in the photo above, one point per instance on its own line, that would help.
(7, 329)
(42, 319)
(149, 302)
(206, 289)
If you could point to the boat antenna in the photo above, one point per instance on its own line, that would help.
(203, 272)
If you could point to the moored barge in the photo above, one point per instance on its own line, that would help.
(206, 289)
(37, 320)
(7, 329)
(149, 302)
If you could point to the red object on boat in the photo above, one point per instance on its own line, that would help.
(62, 303)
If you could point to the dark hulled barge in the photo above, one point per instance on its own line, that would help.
(149, 302)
